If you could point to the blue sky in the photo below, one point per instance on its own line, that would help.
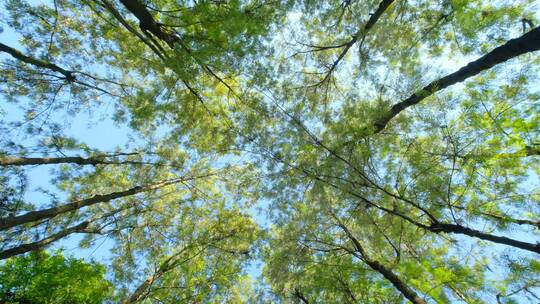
(99, 131)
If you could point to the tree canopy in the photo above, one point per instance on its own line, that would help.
(43, 278)
(359, 151)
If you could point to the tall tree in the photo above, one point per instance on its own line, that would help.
(393, 144)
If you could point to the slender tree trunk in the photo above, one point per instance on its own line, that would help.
(300, 296)
(25, 161)
(32, 216)
(38, 245)
(376, 15)
(143, 287)
(43, 242)
(386, 272)
(529, 42)
(407, 291)
(147, 22)
(168, 264)
(110, 7)
(458, 229)
(440, 227)
(360, 35)
(37, 62)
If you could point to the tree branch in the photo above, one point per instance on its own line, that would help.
(26, 161)
(459, 229)
(79, 228)
(37, 62)
(360, 35)
(147, 22)
(387, 273)
(9, 222)
(527, 43)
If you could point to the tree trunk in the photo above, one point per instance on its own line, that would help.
(37, 62)
(360, 34)
(110, 7)
(144, 286)
(25, 161)
(147, 22)
(458, 229)
(376, 15)
(529, 42)
(38, 245)
(138, 293)
(32, 216)
(43, 242)
(300, 296)
(387, 273)
(408, 292)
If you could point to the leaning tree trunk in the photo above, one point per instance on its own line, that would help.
(407, 291)
(36, 62)
(38, 245)
(32, 216)
(527, 43)
(458, 229)
(27, 161)
(43, 242)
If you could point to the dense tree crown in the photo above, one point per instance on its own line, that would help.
(42, 278)
(359, 151)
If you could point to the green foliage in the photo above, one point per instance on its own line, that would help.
(41, 277)
(274, 106)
